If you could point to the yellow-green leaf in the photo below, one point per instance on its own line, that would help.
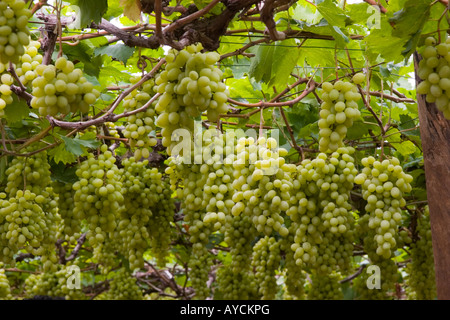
(131, 9)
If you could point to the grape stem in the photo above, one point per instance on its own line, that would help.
(158, 31)
(38, 5)
(183, 21)
(292, 142)
(353, 276)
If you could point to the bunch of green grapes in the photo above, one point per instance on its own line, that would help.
(57, 284)
(24, 226)
(146, 198)
(265, 261)
(191, 196)
(337, 112)
(140, 125)
(98, 197)
(122, 286)
(365, 285)
(6, 97)
(111, 129)
(206, 194)
(131, 229)
(71, 227)
(262, 184)
(190, 84)
(325, 287)
(28, 180)
(383, 186)
(160, 226)
(421, 277)
(5, 289)
(320, 211)
(14, 32)
(218, 156)
(61, 88)
(239, 236)
(28, 173)
(294, 275)
(434, 70)
(25, 69)
(236, 280)
(29, 62)
(235, 286)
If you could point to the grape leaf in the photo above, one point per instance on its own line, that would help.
(261, 66)
(216, 10)
(89, 11)
(3, 162)
(333, 14)
(274, 63)
(408, 123)
(63, 173)
(17, 110)
(60, 154)
(242, 90)
(77, 145)
(118, 51)
(286, 55)
(405, 148)
(131, 9)
(411, 18)
(80, 53)
(381, 42)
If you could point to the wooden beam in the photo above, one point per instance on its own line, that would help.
(435, 135)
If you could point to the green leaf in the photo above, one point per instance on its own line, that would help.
(63, 173)
(408, 123)
(286, 56)
(242, 90)
(118, 52)
(60, 154)
(321, 28)
(80, 53)
(414, 163)
(419, 194)
(17, 110)
(89, 11)
(238, 67)
(359, 12)
(78, 146)
(406, 26)
(274, 63)
(300, 116)
(261, 66)
(216, 10)
(411, 18)
(381, 42)
(357, 130)
(337, 19)
(131, 9)
(3, 162)
(405, 148)
(333, 14)
(316, 54)
(114, 10)
(339, 36)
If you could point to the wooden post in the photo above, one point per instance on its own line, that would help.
(435, 136)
